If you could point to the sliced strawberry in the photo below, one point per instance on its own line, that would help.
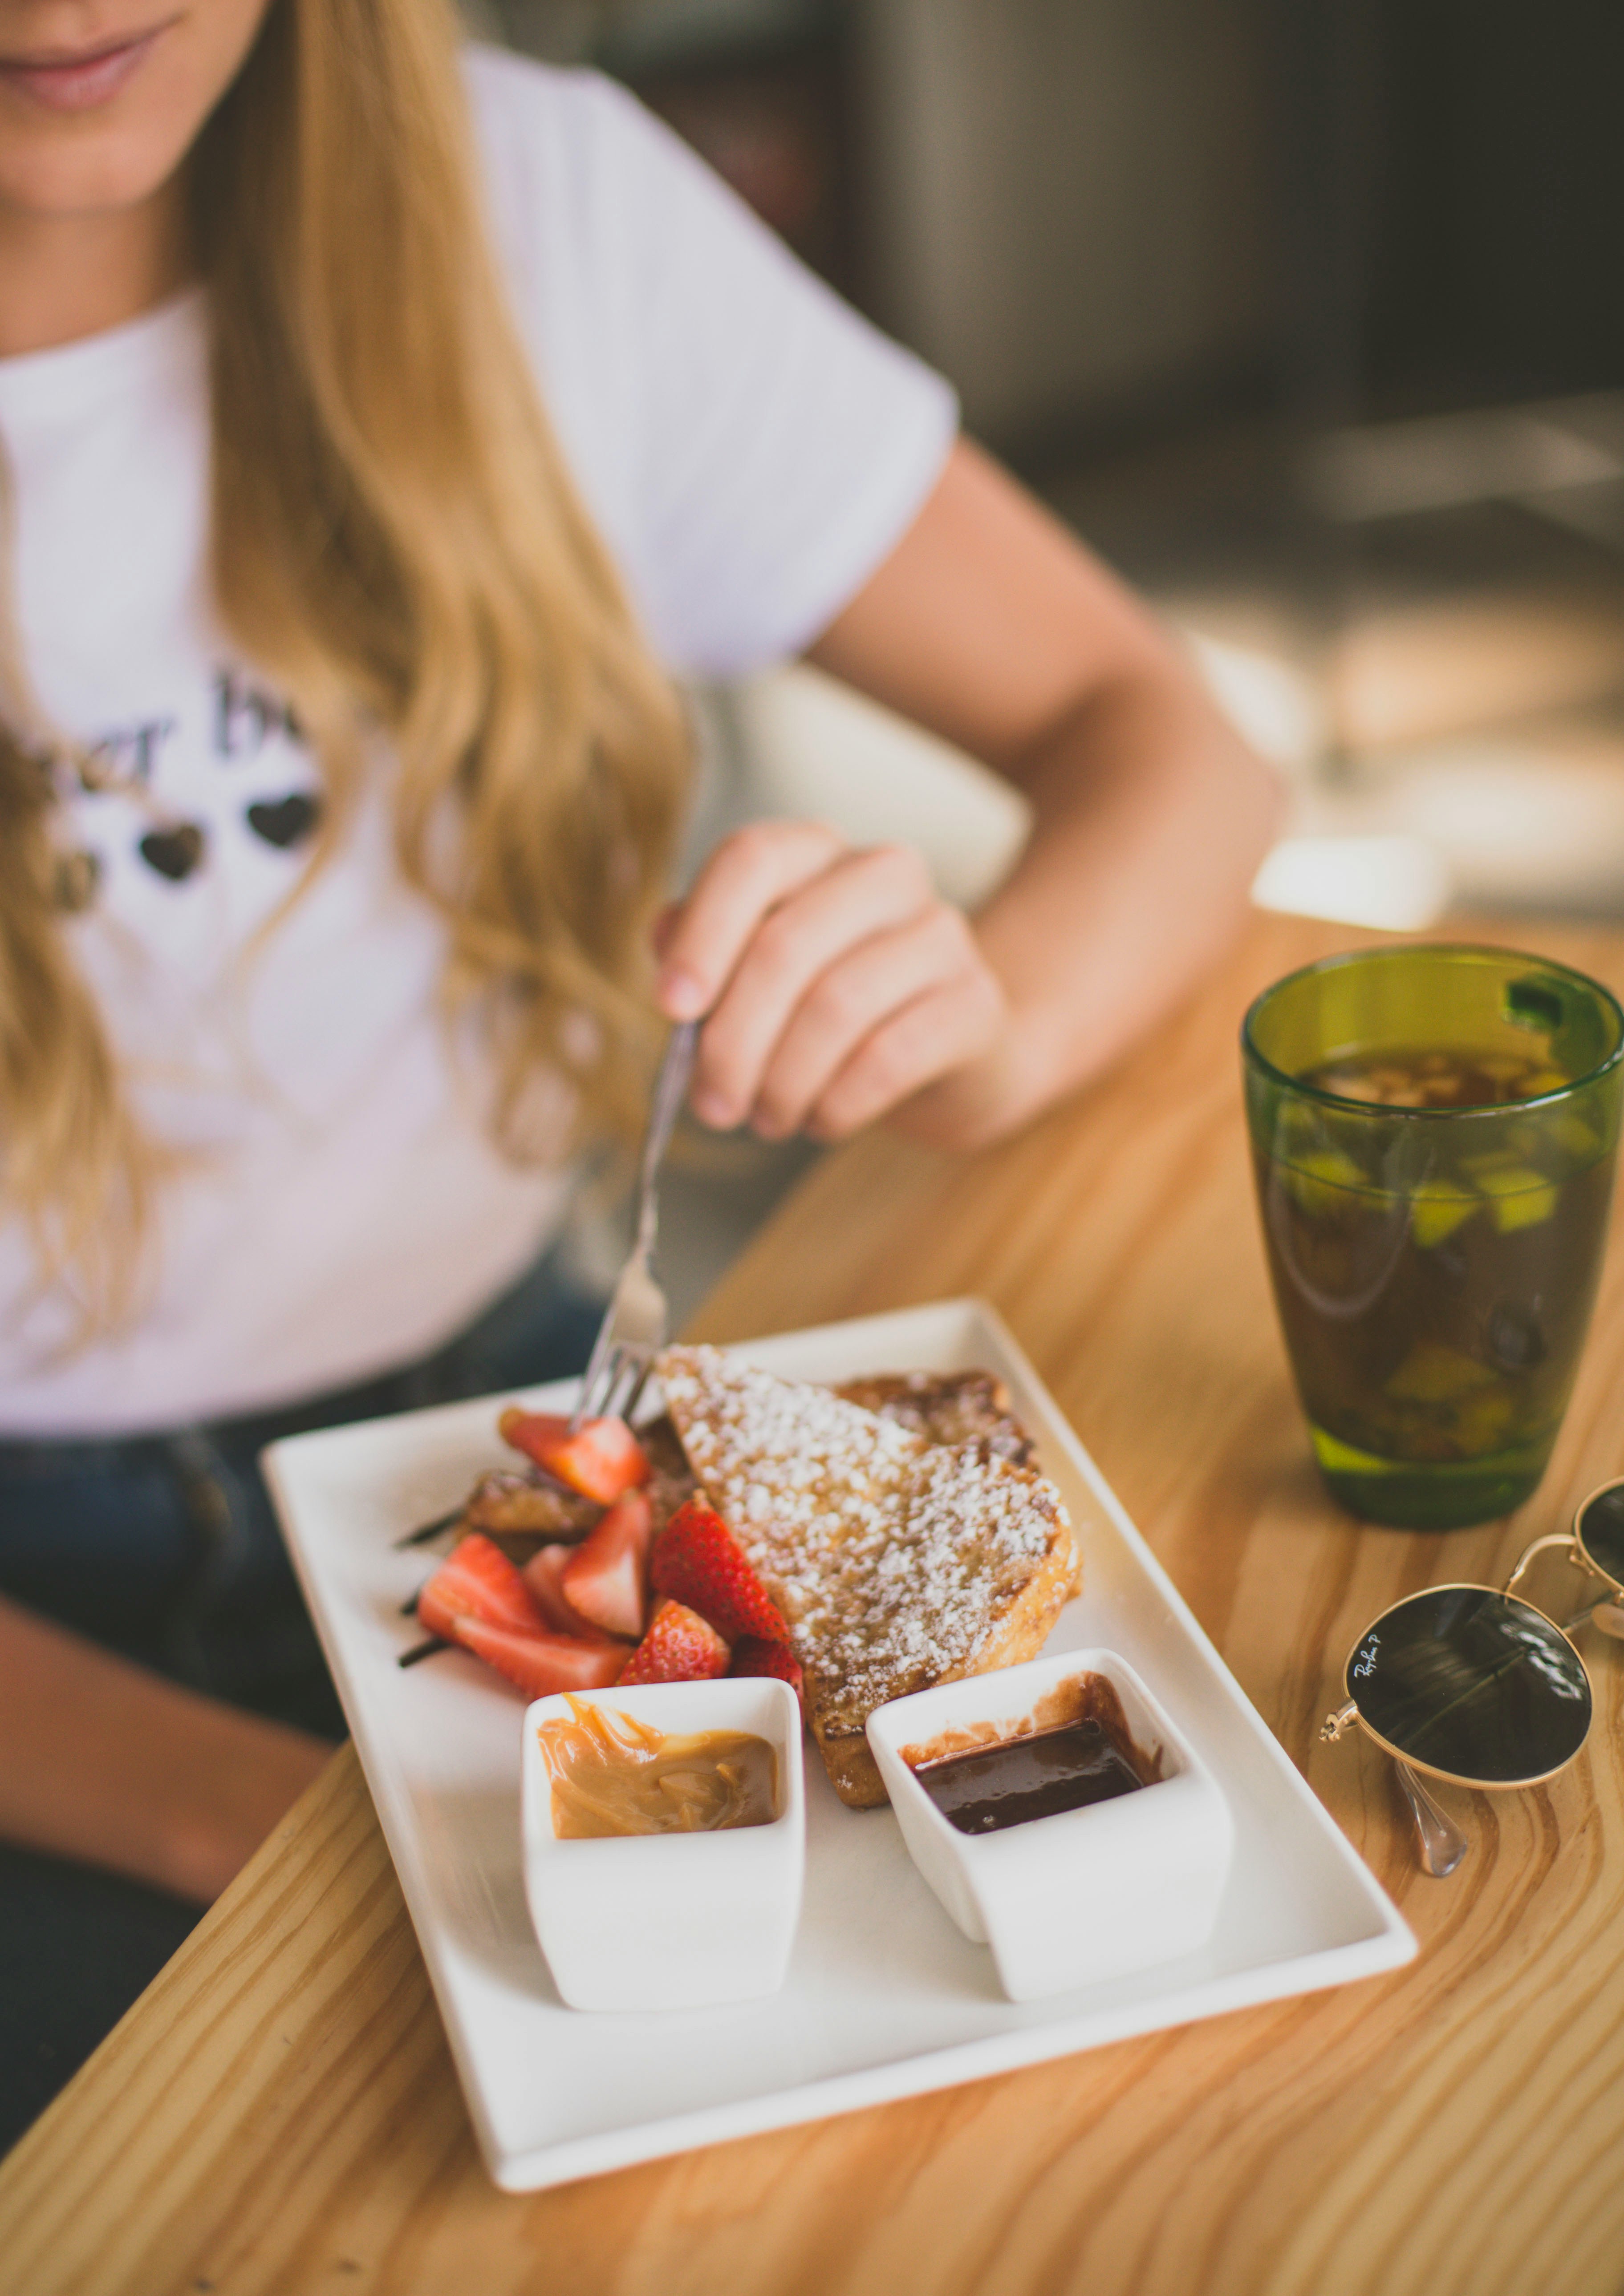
(754, 1654)
(602, 1459)
(543, 1574)
(541, 1664)
(698, 1562)
(606, 1579)
(477, 1581)
(678, 1647)
(528, 1431)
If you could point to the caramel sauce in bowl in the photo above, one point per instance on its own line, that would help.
(664, 1829)
(612, 1775)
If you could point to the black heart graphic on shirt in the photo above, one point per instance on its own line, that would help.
(287, 820)
(174, 853)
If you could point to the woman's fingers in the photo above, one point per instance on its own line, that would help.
(931, 1039)
(838, 1062)
(835, 984)
(748, 873)
(822, 928)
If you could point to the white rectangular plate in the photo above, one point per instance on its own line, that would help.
(884, 1998)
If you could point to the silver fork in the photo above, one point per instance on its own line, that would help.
(634, 1326)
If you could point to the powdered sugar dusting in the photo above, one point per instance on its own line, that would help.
(915, 1603)
(791, 1468)
(893, 1561)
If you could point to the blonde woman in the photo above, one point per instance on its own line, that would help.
(384, 425)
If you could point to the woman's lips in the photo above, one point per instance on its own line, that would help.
(80, 83)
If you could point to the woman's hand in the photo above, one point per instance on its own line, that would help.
(837, 984)
(840, 988)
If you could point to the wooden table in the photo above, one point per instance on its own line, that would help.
(279, 2110)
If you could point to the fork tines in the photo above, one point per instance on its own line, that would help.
(613, 1390)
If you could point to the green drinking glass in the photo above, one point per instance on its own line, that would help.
(1434, 1131)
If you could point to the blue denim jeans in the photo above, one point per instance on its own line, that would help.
(165, 1548)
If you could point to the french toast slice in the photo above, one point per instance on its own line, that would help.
(897, 1562)
(946, 1407)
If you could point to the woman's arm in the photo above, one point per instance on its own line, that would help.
(110, 1764)
(840, 990)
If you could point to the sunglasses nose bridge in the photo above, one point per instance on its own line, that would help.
(1569, 1539)
(1331, 1728)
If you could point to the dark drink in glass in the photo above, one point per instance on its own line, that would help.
(1434, 1132)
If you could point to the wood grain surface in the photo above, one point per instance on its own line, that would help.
(279, 2112)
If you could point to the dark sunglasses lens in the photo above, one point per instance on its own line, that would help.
(1601, 1532)
(1472, 1683)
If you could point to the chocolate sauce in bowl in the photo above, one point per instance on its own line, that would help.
(1029, 1777)
(1073, 1750)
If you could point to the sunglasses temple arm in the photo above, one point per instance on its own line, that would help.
(1438, 1840)
(1606, 1613)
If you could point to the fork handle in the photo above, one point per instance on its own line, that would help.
(670, 1086)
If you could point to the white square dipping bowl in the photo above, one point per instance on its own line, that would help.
(671, 1921)
(1090, 1894)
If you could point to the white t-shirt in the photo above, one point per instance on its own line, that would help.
(752, 451)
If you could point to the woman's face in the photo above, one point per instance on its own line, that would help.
(100, 100)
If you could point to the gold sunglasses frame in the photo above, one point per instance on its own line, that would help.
(1442, 1844)
(1351, 1712)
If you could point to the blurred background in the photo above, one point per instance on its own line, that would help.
(1306, 314)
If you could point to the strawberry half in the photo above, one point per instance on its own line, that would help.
(602, 1459)
(755, 1655)
(542, 1664)
(697, 1561)
(477, 1581)
(606, 1578)
(678, 1647)
(543, 1574)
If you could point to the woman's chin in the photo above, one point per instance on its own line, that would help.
(64, 167)
(104, 127)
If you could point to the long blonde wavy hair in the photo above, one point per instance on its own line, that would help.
(396, 542)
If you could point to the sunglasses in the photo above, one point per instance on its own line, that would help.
(1474, 1686)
